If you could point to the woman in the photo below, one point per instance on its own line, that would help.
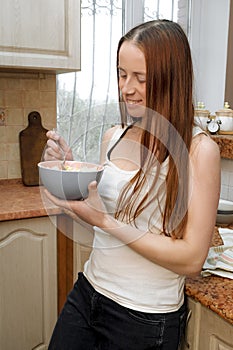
(154, 210)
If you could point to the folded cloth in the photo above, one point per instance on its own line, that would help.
(220, 259)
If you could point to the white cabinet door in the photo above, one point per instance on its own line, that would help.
(193, 326)
(83, 241)
(40, 35)
(28, 288)
(215, 332)
(219, 344)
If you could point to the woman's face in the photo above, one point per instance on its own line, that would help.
(132, 78)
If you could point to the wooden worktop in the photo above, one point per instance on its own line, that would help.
(22, 202)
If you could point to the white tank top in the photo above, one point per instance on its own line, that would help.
(118, 272)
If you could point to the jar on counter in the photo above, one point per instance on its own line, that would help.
(225, 115)
(201, 115)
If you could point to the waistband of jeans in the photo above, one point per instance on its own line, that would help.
(82, 278)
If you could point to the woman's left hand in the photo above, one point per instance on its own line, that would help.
(91, 210)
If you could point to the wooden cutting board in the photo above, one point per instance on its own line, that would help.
(32, 142)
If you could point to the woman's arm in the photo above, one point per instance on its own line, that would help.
(187, 255)
(183, 256)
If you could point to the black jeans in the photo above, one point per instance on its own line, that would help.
(91, 321)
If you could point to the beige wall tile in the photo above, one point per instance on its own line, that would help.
(12, 150)
(2, 83)
(47, 99)
(3, 154)
(13, 99)
(2, 98)
(12, 133)
(48, 117)
(12, 84)
(14, 116)
(32, 99)
(29, 84)
(3, 135)
(14, 169)
(48, 83)
(20, 95)
(3, 169)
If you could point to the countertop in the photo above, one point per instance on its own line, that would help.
(214, 292)
(225, 143)
(21, 202)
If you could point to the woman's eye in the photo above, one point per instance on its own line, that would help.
(122, 75)
(141, 79)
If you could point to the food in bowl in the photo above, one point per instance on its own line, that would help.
(71, 182)
(225, 212)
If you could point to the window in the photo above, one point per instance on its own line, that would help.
(87, 100)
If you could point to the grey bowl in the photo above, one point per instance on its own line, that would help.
(69, 184)
(224, 212)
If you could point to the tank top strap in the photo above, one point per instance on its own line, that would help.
(120, 138)
(197, 130)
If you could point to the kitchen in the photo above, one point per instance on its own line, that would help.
(24, 215)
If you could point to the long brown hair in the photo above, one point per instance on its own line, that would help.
(169, 122)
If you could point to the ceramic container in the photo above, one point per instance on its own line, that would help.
(224, 212)
(225, 115)
(71, 183)
(201, 115)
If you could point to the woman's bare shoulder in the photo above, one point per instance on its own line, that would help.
(204, 150)
(107, 137)
(110, 132)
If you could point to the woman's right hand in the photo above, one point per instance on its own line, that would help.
(57, 148)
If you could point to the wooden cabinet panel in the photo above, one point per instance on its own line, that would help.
(83, 240)
(193, 326)
(219, 344)
(206, 330)
(28, 289)
(215, 332)
(40, 35)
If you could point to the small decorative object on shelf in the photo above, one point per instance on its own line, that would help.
(213, 125)
(201, 115)
(225, 115)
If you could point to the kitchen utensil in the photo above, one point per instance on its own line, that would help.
(32, 141)
(224, 212)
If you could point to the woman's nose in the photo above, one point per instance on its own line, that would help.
(128, 87)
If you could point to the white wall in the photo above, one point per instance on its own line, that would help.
(208, 41)
(227, 179)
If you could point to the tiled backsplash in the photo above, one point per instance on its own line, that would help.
(227, 179)
(21, 94)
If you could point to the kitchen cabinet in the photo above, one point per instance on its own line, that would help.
(193, 325)
(28, 288)
(40, 35)
(215, 332)
(83, 240)
(206, 330)
(74, 245)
